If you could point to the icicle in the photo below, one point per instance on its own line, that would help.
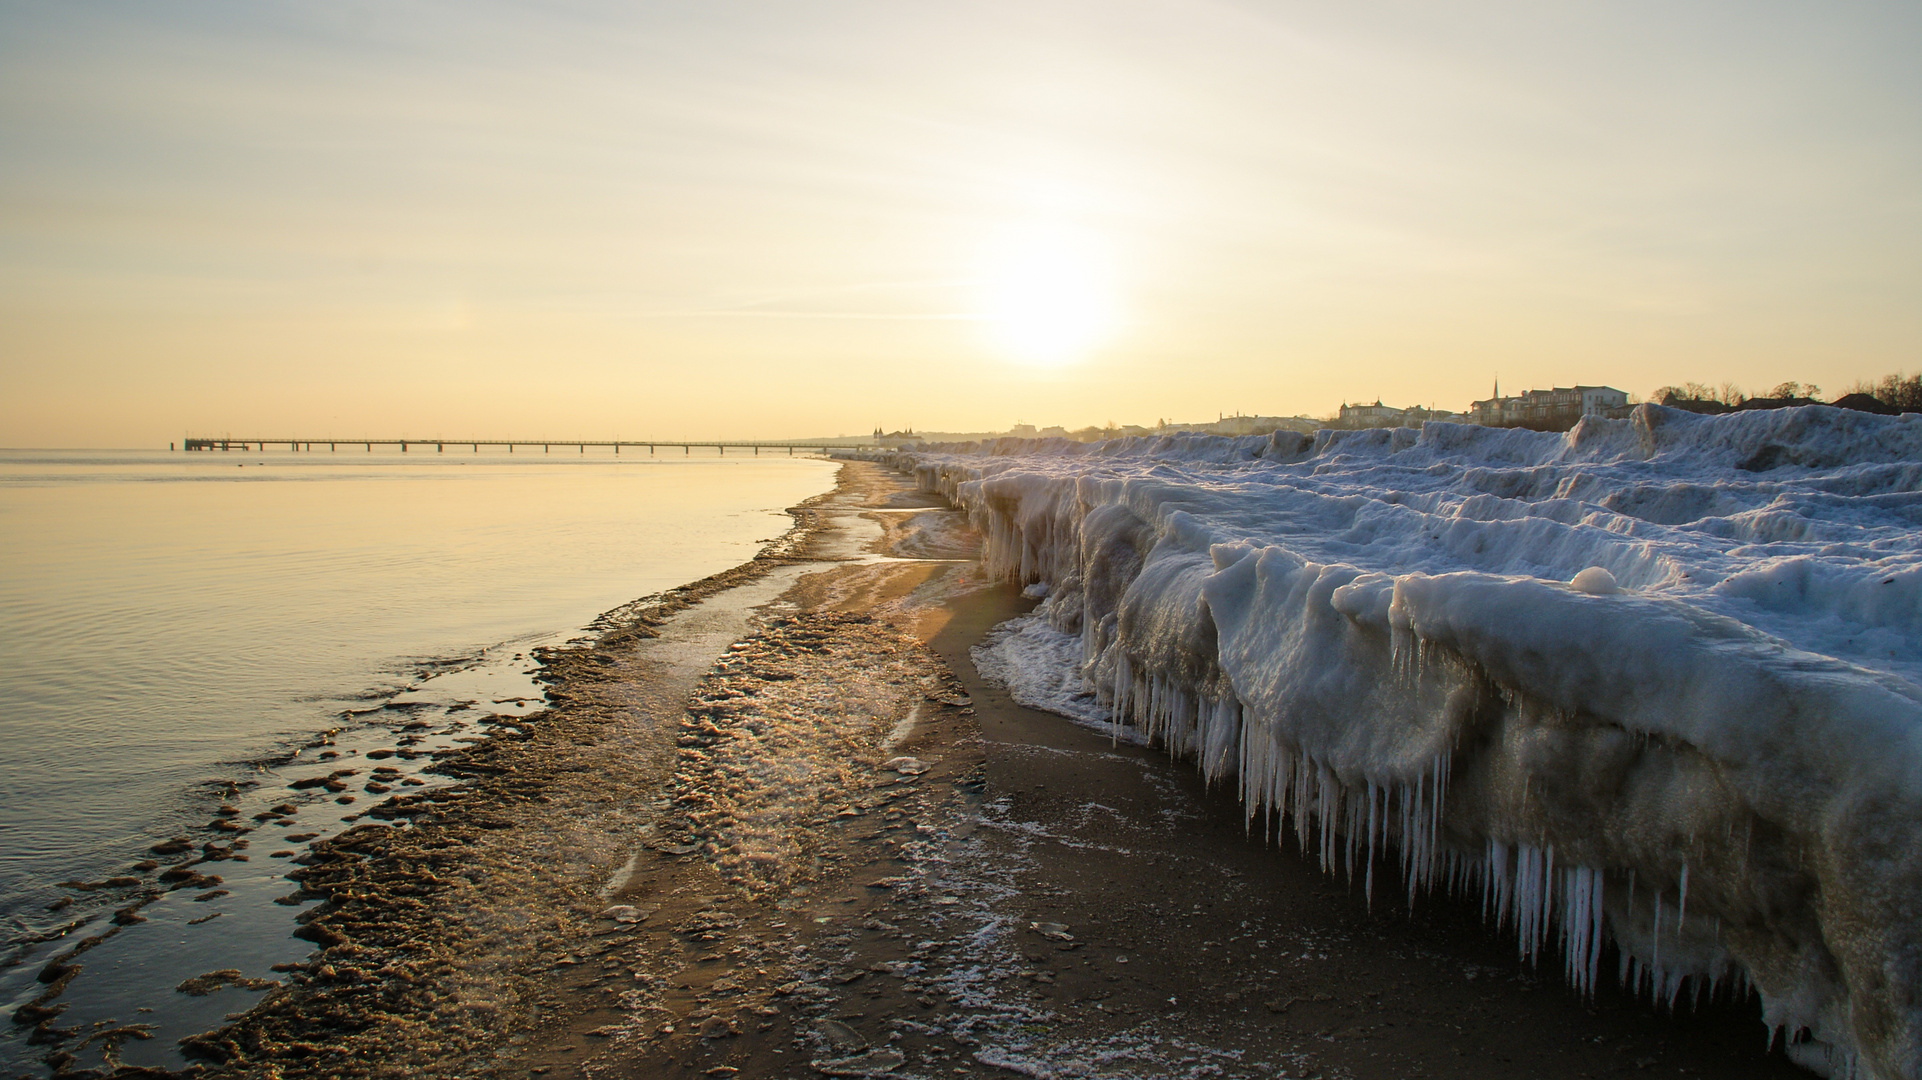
(1351, 838)
(1582, 894)
(1284, 776)
(1501, 881)
(1414, 834)
(1548, 885)
(1329, 807)
(1681, 913)
(1525, 900)
(1655, 961)
(1440, 769)
(1368, 887)
(1407, 844)
(1246, 783)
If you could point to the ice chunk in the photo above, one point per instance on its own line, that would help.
(627, 913)
(1595, 581)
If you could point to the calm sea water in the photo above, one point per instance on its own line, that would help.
(170, 622)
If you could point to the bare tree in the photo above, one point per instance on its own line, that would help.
(1901, 393)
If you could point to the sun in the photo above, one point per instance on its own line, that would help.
(1047, 298)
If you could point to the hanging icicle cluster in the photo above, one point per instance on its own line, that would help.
(1351, 828)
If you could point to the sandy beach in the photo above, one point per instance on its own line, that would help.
(774, 824)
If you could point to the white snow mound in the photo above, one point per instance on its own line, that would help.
(1655, 682)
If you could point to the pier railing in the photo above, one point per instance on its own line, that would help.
(512, 445)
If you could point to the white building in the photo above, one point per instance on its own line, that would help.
(1367, 416)
(1559, 407)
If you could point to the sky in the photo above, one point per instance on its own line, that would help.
(669, 219)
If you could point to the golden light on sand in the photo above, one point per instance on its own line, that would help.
(1048, 298)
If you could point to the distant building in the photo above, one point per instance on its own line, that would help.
(1380, 416)
(897, 438)
(1558, 408)
(1371, 416)
(1233, 425)
(1417, 416)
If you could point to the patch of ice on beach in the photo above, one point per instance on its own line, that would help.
(1655, 681)
(1040, 667)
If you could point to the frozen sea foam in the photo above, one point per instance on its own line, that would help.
(1656, 682)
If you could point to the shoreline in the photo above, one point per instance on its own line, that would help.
(199, 764)
(398, 736)
(1022, 897)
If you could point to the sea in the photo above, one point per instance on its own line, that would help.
(183, 635)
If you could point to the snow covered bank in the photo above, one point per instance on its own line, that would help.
(1655, 682)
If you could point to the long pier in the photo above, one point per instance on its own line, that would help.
(547, 445)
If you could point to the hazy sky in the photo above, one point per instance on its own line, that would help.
(706, 219)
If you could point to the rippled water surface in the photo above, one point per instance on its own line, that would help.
(167, 618)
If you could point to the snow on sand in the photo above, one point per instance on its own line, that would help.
(1657, 681)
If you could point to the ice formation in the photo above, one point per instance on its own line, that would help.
(1655, 682)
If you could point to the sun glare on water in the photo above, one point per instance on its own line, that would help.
(1048, 298)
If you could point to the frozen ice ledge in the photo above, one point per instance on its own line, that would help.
(1652, 682)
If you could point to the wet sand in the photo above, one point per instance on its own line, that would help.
(836, 852)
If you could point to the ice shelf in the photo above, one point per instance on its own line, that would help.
(1655, 682)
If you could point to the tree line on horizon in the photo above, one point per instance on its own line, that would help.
(1893, 393)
